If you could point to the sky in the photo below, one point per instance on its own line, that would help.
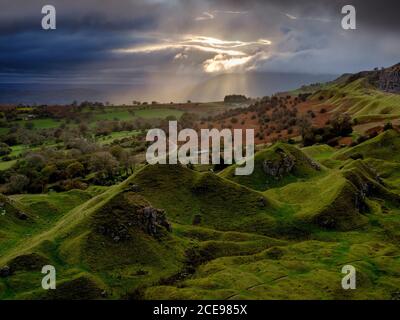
(165, 46)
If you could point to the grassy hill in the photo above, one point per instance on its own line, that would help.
(170, 232)
(359, 95)
(361, 100)
(276, 166)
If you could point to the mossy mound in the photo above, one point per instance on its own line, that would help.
(304, 270)
(214, 201)
(15, 221)
(28, 262)
(276, 166)
(368, 181)
(339, 201)
(118, 236)
(343, 212)
(12, 212)
(82, 287)
(123, 229)
(388, 171)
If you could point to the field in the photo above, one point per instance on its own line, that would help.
(145, 114)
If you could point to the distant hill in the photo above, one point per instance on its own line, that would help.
(252, 84)
(368, 96)
(385, 79)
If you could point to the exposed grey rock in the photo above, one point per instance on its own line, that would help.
(385, 79)
(134, 188)
(148, 219)
(278, 168)
(5, 271)
(262, 202)
(285, 163)
(314, 164)
(196, 219)
(389, 79)
(22, 216)
(362, 193)
(153, 218)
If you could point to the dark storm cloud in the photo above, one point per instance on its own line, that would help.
(87, 32)
(22, 15)
(375, 14)
(382, 15)
(55, 51)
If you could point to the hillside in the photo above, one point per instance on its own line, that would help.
(169, 232)
(368, 96)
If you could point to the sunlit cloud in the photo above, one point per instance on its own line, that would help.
(224, 63)
(230, 12)
(320, 19)
(205, 16)
(211, 15)
(290, 16)
(160, 47)
(213, 42)
(227, 55)
(180, 56)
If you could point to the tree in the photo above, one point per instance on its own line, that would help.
(104, 161)
(341, 125)
(83, 128)
(309, 137)
(235, 98)
(4, 149)
(117, 152)
(75, 169)
(50, 172)
(129, 164)
(35, 161)
(17, 184)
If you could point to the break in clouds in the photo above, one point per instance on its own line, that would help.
(148, 41)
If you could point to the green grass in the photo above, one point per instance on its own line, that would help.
(116, 135)
(319, 152)
(5, 165)
(125, 115)
(43, 210)
(42, 123)
(18, 150)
